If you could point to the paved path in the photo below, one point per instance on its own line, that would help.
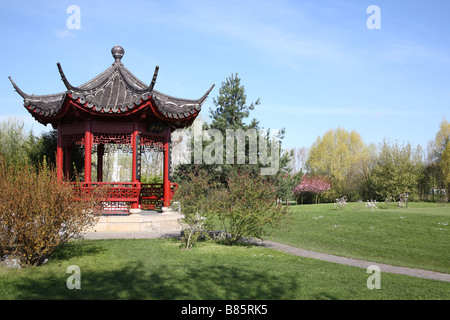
(354, 262)
(288, 249)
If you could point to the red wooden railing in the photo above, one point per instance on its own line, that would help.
(120, 195)
(152, 195)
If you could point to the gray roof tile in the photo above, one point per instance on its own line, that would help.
(116, 90)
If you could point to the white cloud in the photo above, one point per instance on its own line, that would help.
(289, 36)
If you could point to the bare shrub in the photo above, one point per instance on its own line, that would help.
(38, 212)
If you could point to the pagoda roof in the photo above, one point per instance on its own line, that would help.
(114, 92)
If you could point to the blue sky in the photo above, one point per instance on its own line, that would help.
(314, 64)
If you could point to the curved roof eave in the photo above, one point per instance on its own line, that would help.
(115, 91)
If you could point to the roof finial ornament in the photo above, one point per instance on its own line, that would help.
(117, 52)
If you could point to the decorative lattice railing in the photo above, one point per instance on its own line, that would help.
(121, 195)
(152, 195)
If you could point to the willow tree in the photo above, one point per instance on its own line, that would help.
(439, 154)
(336, 156)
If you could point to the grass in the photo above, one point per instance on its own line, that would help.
(157, 269)
(416, 237)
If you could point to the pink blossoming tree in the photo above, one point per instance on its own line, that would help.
(316, 185)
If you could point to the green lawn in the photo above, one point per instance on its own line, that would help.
(158, 269)
(417, 237)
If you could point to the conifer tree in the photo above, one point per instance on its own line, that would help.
(231, 108)
(231, 113)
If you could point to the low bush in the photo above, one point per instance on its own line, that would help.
(245, 207)
(38, 212)
(248, 207)
(195, 196)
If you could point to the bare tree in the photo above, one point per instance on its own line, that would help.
(299, 156)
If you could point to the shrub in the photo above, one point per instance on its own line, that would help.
(372, 204)
(248, 207)
(195, 195)
(193, 228)
(245, 207)
(38, 212)
(340, 203)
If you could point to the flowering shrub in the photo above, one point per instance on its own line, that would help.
(192, 229)
(403, 201)
(195, 197)
(341, 203)
(371, 204)
(38, 213)
(387, 202)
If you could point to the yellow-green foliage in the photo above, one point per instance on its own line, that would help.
(38, 212)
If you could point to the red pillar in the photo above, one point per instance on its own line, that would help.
(134, 177)
(68, 161)
(59, 156)
(134, 147)
(166, 182)
(87, 153)
(100, 153)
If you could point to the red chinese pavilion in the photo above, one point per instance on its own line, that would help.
(115, 107)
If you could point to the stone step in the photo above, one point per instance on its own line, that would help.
(147, 222)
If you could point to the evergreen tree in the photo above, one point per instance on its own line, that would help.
(231, 108)
(231, 113)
